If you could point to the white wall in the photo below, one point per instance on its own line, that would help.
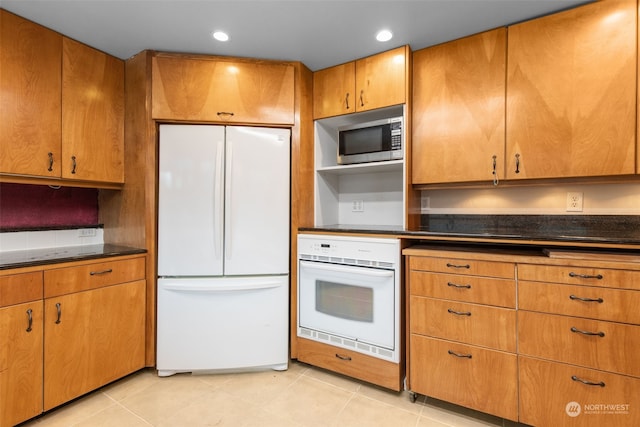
(601, 199)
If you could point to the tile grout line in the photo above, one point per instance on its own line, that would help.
(126, 409)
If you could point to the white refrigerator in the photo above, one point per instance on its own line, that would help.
(223, 248)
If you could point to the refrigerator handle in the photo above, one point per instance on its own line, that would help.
(228, 204)
(218, 202)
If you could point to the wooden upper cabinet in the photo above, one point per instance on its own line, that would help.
(213, 89)
(458, 110)
(571, 93)
(334, 91)
(366, 84)
(92, 114)
(30, 83)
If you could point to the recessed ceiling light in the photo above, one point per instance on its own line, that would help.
(220, 36)
(384, 36)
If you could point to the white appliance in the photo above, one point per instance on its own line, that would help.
(349, 293)
(223, 248)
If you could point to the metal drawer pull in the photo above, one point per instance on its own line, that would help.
(97, 273)
(453, 353)
(454, 285)
(458, 266)
(362, 98)
(59, 310)
(74, 164)
(50, 168)
(459, 313)
(224, 113)
(586, 276)
(517, 163)
(575, 378)
(30, 317)
(575, 298)
(341, 357)
(578, 331)
(346, 100)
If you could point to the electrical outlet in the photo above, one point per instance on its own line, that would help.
(574, 201)
(425, 204)
(357, 206)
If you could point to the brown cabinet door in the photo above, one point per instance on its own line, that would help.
(92, 114)
(20, 362)
(381, 79)
(211, 90)
(30, 81)
(334, 91)
(571, 93)
(459, 111)
(92, 338)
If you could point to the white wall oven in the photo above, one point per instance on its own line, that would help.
(349, 293)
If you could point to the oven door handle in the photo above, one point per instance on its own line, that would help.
(372, 272)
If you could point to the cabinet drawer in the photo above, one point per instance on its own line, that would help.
(470, 376)
(357, 365)
(559, 338)
(463, 266)
(480, 325)
(90, 276)
(617, 305)
(481, 290)
(551, 395)
(19, 288)
(589, 276)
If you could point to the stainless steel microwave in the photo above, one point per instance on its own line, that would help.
(375, 141)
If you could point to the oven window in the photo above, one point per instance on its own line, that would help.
(344, 301)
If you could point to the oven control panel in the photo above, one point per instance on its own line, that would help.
(338, 248)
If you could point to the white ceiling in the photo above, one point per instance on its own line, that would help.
(319, 33)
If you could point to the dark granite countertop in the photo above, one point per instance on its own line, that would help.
(33, 257)
(570, 229)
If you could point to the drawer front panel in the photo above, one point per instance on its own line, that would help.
(480, 325)
(616, 305)
(481, 290)
(90, 276)
(552, 394)
(463, 266)
(351, 363)
(590, 343)
(470, 376)
(588, 276)
(19, 288)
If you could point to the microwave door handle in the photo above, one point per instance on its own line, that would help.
(348, 269)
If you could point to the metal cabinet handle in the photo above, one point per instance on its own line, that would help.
(97, 273)
(59, 310)
(577, 298)
(362, 98)
(50, 168)
(517, 163)
(586, 276)
(73, 164)
(578, 379)
(458, 265)
(496, 181)
(342, 357)
(453, 353)
(579, 331)
(224, 113)
(30, 319)
(346, 100)
(455, 285)
(459, 313)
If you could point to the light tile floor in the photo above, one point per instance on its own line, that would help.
(301, 396)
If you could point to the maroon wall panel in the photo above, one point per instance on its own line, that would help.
(40, 206)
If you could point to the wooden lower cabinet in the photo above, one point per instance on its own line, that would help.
(20, 362)
(471, 376)
(357, 365)
(92, 338)
(554, 394)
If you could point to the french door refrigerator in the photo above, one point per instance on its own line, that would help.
(223, 248)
